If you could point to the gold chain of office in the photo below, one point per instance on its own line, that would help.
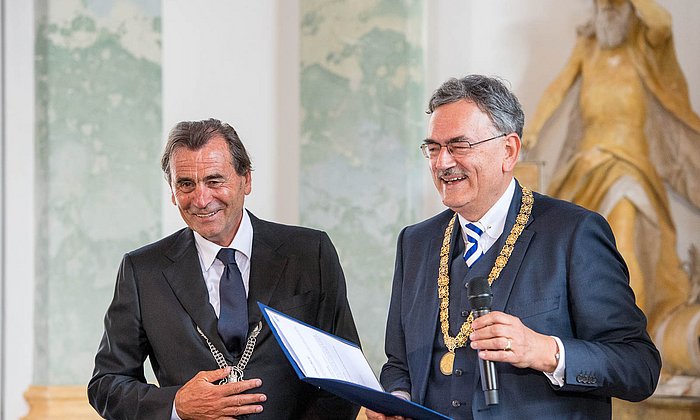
(453, 343)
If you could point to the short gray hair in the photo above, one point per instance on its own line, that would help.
(489, 94)
(196, 134)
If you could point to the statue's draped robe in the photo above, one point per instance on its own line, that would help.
(632, 128)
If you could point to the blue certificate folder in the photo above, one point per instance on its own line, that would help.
(301, 343)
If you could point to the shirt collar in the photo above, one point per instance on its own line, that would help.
(493, 222)
(242, 242)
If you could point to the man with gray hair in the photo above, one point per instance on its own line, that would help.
(563, 332)
(188, 302)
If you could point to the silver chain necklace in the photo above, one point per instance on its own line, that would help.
(236, 373)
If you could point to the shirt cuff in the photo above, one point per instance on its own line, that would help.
(173, 415)
(557, 377)
(402, 394)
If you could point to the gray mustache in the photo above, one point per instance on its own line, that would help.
(451, 172)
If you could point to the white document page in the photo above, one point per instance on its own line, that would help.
(319, 355)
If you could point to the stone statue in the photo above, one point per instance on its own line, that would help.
(630, 130)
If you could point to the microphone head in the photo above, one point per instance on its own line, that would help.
(479, 292)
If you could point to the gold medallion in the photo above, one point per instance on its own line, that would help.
(447, 363)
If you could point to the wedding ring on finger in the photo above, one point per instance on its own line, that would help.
(509, 346)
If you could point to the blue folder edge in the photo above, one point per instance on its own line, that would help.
(379, 401)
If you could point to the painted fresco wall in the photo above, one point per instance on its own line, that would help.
(361, 124)
(98, 183)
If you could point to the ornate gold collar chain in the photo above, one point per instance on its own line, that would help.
(453, 343)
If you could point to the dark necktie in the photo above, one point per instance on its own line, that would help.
(233, 312)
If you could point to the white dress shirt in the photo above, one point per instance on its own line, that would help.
(493, 221)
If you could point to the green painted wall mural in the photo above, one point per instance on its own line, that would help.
(98, 183)
(362, 107)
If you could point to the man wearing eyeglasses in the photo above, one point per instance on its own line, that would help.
(564, 332)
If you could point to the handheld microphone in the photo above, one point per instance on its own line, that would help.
(480, 297)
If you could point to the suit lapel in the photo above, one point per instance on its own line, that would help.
(431, 287)
(185, 279)
(504, 284)
(266, 268)
(429, 322)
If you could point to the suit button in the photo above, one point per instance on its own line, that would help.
(594, 379)
(456, 403)
(458, 372)
(464, 314)
(580, 379)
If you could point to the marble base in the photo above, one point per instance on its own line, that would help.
(70, 402)
(58, 402)
(676, 397)
(676, 408)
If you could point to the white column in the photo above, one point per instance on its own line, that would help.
(238, 62)
(3, 177)
(19, 213)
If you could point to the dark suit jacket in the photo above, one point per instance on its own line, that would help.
(564, 278)
(161, 297)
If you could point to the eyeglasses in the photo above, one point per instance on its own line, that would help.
(456, 148)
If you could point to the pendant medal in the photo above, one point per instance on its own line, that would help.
(447, 363)
(236, 375)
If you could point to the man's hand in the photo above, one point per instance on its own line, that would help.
(371, 415)
(200, 398)
(506, 339)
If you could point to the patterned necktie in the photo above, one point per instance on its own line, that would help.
(233, 313)
(473, 250)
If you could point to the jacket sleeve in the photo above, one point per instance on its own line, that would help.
(611, 353)
(394, 375)
(118, 387)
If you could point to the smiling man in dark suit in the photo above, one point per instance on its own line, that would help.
(192, 310)
(564, 331)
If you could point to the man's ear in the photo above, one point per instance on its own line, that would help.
(248, 183)
(513, 145)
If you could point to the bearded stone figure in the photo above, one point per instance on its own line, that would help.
(630, 130)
